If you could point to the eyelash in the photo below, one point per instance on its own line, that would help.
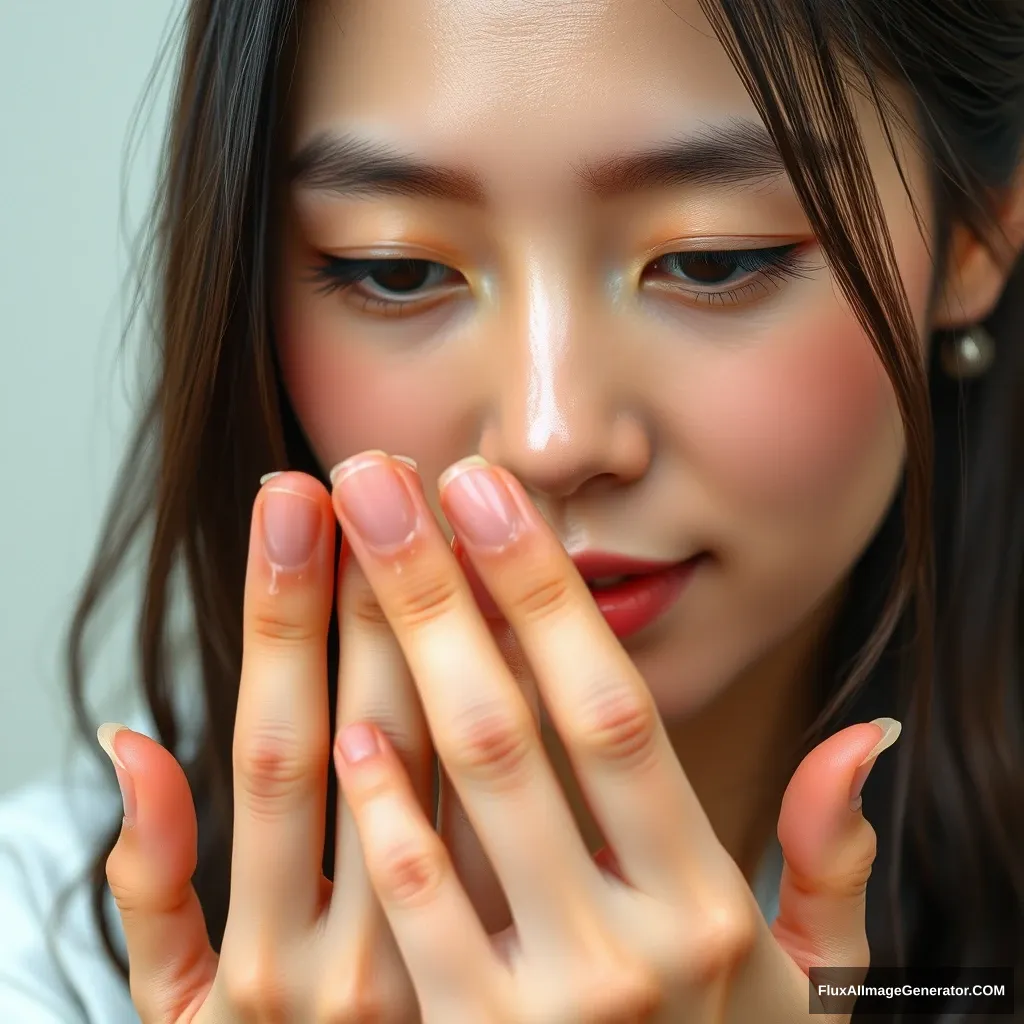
(761, 268)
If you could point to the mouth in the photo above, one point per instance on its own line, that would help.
(633, 594)
(599, 569)
(630, 593)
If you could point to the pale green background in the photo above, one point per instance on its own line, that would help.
(71, 74)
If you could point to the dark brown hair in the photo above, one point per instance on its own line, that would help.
(931, 628)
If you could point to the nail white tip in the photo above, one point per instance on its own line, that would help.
(891, 730)
(471, 462)
(105, 735)
(269, 476)
(333, 475)
(406, 460)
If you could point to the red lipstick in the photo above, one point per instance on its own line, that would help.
(630, 593)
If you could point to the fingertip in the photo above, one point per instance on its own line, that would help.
(357, 744)
(154, 787)
(296, 481)
(107, 735)
(822, 802)
(409, 469)
(289, 579)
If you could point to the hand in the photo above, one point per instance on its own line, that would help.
(296, 948)
(680, 937)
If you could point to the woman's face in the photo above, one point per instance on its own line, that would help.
(655, 405)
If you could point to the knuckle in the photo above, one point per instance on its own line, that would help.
(123, 887)
(426, 598)
(617, 722)
(132, 902)
(255, 985)
(609, 988)
(722, 937)
(367, 610)
(543, 598)
(408, 873)
(632, 994)
(138, 893)
(272, 627)
(489, 743)
(272, 765)
(366, 990)
(352, 1004)
(849, 878)
(863, 851)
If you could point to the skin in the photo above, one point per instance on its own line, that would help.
(641, 420)
(613, 411)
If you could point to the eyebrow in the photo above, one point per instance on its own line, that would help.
(734, 152)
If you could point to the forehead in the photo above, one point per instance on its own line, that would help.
(511, 85)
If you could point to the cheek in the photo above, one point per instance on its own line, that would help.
(795, 425)
(352, 397)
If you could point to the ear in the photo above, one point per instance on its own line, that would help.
(977, 269)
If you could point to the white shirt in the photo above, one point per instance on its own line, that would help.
(49, 832)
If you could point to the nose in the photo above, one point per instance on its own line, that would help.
(564, 418)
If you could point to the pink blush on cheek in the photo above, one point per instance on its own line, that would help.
(797, 422)
(349, 401)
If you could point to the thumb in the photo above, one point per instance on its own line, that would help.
(149, 870)
(829, 850)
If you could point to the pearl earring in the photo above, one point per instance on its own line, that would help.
(969, 354)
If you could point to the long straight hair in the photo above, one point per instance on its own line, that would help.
(931, 628)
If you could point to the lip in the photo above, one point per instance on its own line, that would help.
(638, 602)
(592, 565)
(628, 607)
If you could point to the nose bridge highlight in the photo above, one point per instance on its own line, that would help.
(553, 425)
(547, 353)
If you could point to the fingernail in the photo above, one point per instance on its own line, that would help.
(374, 498)
(413, 478)
(347, 464)
(291, 528)
(106, 735)
(890, 733)
(358, 742)
(269, 476)
(478, 504)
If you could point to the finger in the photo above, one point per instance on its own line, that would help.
(829, 849)
(443, 944)
(374, 685)
(598, 701)
(482, 727)
(472, 864)
(171, 962)
(282, 733)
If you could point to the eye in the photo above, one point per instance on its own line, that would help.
(384, 284)
(730, 275)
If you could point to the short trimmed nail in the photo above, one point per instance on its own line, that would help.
(291, 528)
(377, 502)
(406, 460)
(344, 467)
(479, 505)
(890, 733)
(358, 742)
(106, 734)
